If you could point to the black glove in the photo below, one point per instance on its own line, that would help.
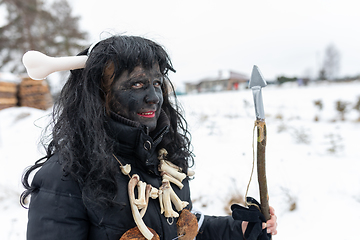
(255, 218)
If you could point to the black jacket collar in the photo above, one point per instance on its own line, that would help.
(134, 144)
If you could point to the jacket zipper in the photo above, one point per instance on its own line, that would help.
(161, 135)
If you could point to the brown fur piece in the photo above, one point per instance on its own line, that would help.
(135, 234)
(187, 225)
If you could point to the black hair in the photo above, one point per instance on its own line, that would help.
(78, 131)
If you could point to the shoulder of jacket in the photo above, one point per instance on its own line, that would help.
(51, 178)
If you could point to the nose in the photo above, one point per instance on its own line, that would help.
(152, 96)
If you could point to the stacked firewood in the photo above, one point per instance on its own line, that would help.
(34, 93)
(8, 94)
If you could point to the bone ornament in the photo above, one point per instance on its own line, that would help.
(171, 179)
(134, 209)
(39, 65)
(166, 195)
(166, 200)
(125, 169)
(140, 202)
(172, 169)
(154, 193)
(179, 205)
(174, 172)
(161, 202)
(191, 173)
(147, 196)
(163, 156)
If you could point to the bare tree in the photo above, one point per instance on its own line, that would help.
(33, 25)
(331, 64)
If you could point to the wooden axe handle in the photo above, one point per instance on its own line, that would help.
(261, 169)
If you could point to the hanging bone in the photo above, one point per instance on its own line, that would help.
(166, 200)
(134, 209)
(171, 179)
(147, 196)
(166, 167)
(169, 197)
(170, 168)
(140, 202)
(125, 169)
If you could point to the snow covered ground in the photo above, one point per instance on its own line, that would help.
(313, 167)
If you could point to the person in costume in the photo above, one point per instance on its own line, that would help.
(117, 125)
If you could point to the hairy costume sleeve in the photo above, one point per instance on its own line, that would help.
(216, 228)
(56, 209)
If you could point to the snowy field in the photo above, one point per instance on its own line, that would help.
(313, 167)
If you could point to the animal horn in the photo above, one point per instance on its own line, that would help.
(39, 65)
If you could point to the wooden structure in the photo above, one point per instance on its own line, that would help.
(226, 80)
(8, 94)
(34, 93)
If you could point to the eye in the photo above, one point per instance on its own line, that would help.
(157, 84)
(138, 85)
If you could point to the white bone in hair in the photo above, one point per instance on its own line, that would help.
(39, 65)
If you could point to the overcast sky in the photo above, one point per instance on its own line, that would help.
(282, 37)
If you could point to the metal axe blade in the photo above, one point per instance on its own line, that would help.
(257, 78)
(256, 83)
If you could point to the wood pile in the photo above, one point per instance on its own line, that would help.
(8, 94)
(34, 93)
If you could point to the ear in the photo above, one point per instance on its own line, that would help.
(108, 73)
(106, 83)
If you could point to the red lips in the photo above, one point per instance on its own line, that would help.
(148, 114)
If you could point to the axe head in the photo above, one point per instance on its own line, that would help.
(256, 79)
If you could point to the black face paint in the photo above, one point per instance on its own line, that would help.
(138, 95)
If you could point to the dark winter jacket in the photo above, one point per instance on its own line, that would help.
(58, 211)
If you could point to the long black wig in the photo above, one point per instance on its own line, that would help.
(78, 133)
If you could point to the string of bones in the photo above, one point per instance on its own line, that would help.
(170, 174)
